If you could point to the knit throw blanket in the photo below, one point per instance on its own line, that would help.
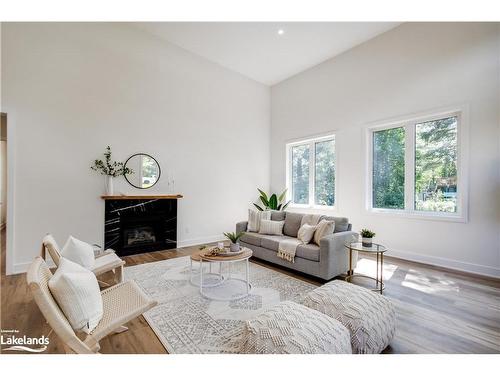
(288, 247)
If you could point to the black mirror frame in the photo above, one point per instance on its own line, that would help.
(156, 161)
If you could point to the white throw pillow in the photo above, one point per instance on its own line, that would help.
(254, 218)
(79, 252)
(324, 228)
(306, 233)
(77, 293)
(271, 227)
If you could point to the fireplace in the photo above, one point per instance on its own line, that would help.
(138, 236)
(138, 225)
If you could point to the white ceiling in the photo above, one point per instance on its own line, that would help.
(255, 49)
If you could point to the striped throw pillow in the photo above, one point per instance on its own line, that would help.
(325, 228)
(254, 218)
(271, 227)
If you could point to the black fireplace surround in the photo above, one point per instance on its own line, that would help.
(134, 226)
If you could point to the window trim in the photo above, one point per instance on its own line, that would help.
(409, 122)
(311, 141)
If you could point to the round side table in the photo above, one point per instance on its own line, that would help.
(231, 288)
(377, 249)
(216, 278)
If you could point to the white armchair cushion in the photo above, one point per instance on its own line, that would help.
(77, 293)
(79, 252)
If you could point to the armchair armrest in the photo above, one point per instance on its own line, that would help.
(333, 256)
(241, 226)
(105, 252)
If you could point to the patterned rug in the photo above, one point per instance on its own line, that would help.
(186, 322)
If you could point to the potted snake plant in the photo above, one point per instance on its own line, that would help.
(234, 238)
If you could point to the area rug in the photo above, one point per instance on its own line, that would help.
(187, 322)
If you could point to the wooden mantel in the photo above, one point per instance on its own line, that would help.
(129, 197)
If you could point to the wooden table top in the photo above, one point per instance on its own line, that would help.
(202, 254)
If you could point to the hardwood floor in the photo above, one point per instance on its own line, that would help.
(439, 311)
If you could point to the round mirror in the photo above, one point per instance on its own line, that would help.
(146, 171)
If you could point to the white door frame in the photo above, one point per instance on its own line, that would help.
(11, 138)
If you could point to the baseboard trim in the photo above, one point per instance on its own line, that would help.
(451, 264)
(23, 267)
(200, 240)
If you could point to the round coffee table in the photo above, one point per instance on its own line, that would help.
(230, 288)
(215, 278)
(377, 249)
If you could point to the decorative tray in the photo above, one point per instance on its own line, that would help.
(213, 252)
(227, 253)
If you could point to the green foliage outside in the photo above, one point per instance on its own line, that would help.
(324, 173)
(300, 174)
(324, 184)
(436, 165)
(389, 168)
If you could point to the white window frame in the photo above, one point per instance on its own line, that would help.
(312, 170)
(409, 123)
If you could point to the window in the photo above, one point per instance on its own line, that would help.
(436, 165)
(389, 168)
(311, 172)
(415, 167)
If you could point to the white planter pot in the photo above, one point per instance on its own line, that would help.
(235, 247)
(367, 242)
(108, 183)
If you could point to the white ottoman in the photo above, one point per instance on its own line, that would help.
(369, 316)
(290, 328)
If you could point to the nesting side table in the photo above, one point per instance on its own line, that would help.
(377, 249)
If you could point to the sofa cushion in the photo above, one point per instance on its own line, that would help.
(272, 242)
(292, 224)
(308, 251)
(278, 215)
(341, 223)
(252, 238)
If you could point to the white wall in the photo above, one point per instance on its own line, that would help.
(75, 88)
(412, 68)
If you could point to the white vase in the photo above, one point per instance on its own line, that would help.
(108, 183)
(235, 247)
(367, 242)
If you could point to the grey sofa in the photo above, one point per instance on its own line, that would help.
(326, 261)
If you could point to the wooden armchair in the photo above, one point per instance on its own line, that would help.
(105, 262)
(121, 303)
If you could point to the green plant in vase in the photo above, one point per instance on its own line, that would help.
(274, 202)
(110, 169)
(234, 238)
(367, 237)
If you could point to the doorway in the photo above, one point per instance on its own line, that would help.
(3, 191)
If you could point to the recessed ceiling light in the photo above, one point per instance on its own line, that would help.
(281, 32)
